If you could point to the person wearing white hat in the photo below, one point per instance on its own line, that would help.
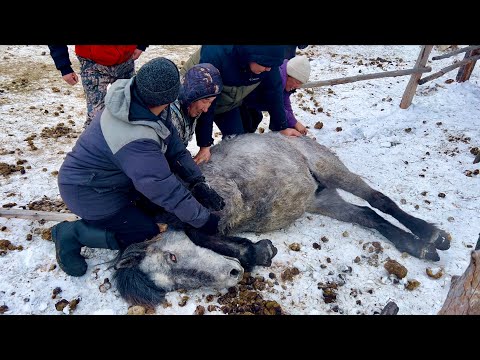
(294, 73)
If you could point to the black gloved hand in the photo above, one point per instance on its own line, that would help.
(211, 226)
(206, 196)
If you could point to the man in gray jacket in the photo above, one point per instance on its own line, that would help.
(130, 163)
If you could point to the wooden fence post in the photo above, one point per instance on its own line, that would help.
(466, 70)
(413, 83)
(464, 295)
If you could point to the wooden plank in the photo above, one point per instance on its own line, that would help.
(466, 70)
(351, 79)
(465, 49)
(409, 92)
(37, 215)
(447, 69)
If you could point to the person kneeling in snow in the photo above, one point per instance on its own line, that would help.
(130, 163)
(247, 71)
(294, 73)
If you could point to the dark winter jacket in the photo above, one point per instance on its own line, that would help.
(127, 147)
(107, 55)
(233, 63)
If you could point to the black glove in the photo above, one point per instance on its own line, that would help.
(206, 196)
(211, 226)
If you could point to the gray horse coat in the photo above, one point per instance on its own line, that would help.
(269, 180)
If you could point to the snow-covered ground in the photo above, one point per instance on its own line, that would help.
(411, 155)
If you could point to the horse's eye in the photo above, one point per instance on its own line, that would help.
(173, 258)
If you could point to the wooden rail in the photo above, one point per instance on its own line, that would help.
(447, 69)
(459, 51)
(37, 215)
(350, 79)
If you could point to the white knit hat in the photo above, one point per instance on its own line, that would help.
(299, 68)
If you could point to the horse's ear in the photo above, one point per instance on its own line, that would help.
(130, 260)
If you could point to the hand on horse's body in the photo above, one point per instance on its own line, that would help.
(301, 128)
(203, 155)
(290, 132)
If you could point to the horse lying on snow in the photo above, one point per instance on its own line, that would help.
(268, 181)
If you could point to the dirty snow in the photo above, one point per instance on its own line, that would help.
(404, 153)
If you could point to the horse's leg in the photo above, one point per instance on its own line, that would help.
(426, 231)
(328, 202)
(246, 251)
(333, 174)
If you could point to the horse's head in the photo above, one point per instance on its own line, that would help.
(170, 261)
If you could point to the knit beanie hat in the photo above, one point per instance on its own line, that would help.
(158, 82)
(299, 68)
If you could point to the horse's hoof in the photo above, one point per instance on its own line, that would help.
(264, 252)
(429, 252)
(442, 242)
(420, 250)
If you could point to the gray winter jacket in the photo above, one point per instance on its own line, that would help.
(127, 147)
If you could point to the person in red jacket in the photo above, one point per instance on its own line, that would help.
(100, 65)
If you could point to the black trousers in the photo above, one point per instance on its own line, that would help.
(251, 118)
(134, 223)
(240, 120)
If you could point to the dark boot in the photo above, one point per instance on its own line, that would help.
(69, 237)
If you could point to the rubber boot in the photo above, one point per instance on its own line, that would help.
(69, 237)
